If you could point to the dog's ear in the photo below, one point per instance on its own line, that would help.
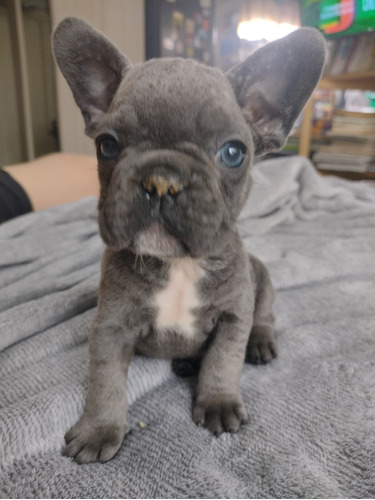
(274, 83)
(92, 65)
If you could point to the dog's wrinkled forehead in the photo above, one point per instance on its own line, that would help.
(173, 100)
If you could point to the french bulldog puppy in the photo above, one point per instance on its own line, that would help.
(175, 142)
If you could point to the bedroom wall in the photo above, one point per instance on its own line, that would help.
(27, 110)
(123, 22)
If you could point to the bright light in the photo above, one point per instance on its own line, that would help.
(263, 29)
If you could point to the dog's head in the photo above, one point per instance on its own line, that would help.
(175, 139)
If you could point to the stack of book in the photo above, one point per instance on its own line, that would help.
(358, 122)
(352, 143)
(353, 54)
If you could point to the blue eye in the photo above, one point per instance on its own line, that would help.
(107, 147)
(232, 154)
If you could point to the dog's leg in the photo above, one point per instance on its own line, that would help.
(261, 347)
(100, 431)
(219, 405)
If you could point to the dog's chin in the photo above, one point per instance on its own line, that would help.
(157, 241)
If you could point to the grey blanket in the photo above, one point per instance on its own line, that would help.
(311, 429)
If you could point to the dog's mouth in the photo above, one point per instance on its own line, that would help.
(158, 241)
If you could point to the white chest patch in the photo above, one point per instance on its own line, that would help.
(176, 301)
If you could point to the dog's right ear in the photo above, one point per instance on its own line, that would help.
(92, 65)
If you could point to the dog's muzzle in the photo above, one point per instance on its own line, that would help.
(163, 203)
(160, 190)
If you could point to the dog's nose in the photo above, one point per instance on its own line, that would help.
(161, 185)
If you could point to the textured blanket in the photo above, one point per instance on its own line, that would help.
(311, 429)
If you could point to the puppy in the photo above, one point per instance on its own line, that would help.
(175, 142)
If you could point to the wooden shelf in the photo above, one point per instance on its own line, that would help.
(353, 176)
(362, 81)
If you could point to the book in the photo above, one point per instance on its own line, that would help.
(362, 58)
(349, 148)
(347, 153)
(353, 123)
(342, 167)
(341, 55)
(331, 47)
(372, 57)
(343, 159)
(353, 54)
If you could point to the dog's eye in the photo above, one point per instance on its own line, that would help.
(107, 147)
(232, 154)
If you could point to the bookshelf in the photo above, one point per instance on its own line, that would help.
(362, 81)
(340, 75)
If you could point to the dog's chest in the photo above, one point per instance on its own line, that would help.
(177, 300)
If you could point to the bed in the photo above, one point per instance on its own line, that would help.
(311, 428)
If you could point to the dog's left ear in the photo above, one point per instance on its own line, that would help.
(274, 83)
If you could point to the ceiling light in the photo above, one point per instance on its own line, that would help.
(263, 29)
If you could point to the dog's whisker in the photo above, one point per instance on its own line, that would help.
(190, 262)
(144, 263)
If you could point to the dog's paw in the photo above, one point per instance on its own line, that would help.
(88, 442)
(261, 347)
(221, 414)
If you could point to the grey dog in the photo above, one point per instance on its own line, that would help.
(175, 142)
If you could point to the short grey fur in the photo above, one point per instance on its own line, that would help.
(176, 141)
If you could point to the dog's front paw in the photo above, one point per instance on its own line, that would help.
(87, 441)
(220, 414)
(261, 347)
